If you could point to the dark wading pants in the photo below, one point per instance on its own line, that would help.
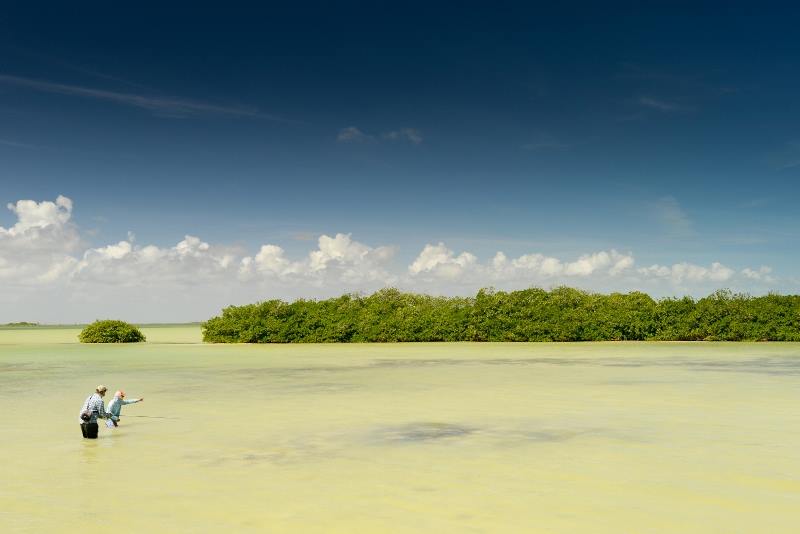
(89, 430)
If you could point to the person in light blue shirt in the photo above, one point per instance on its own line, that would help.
(116, 404)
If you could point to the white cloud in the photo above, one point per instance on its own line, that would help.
(438, 261)
(586, 265)
(762, 273)
(351, 134)
(336, 258)
(38, 247)
(269, 260)
(32, 214)
(412, 135)
(680, 273)
(438, 268)
(190, 262)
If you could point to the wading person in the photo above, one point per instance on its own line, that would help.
(92, 409)
(116, 404)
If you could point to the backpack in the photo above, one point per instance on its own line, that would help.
(86, 414)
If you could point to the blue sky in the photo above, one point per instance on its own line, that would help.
(666, 133)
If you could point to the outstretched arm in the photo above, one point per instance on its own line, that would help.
(132, 401)
(101, 409)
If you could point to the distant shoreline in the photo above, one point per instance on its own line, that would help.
(45, 326)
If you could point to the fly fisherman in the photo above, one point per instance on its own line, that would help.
(92, 409)
(116, 404)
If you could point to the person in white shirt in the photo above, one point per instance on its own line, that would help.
(92, 409)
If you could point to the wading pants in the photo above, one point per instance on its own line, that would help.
(89, 430)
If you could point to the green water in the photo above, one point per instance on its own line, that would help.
(602, 437)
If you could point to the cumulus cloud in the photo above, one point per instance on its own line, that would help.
(38, 247)
(439, 267)
(688, 272)
(38, 215)
(439, 261)
(190, 262)
(337, 258)
(270, 260)
(762, 273)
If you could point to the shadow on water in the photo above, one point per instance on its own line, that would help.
(422, 432)
(434, 432)
(310, 448)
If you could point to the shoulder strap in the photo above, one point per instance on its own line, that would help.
(88, 401)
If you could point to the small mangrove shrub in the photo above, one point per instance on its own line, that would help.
(110, 331)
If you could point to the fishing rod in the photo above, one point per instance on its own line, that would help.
(149, 416)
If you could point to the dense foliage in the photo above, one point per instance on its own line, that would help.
(562, 314)
(109, 331)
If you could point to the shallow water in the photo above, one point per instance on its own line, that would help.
(596, 437)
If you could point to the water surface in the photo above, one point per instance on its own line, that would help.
(594, 437)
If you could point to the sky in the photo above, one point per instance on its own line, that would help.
(160, 161)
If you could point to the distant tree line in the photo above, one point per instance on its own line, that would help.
(561, 314)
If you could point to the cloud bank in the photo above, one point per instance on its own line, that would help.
(49, 273)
